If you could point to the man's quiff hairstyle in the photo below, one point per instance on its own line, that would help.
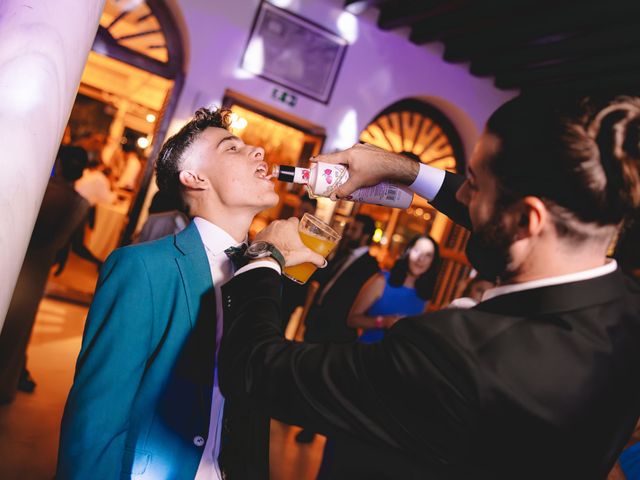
(171, 157)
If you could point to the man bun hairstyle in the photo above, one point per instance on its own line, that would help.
(616, 132)
(171, 156)
(580, 156)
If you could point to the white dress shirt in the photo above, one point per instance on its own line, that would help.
(216, 241)
(428, 182)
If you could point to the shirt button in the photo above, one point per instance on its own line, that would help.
(198, 441)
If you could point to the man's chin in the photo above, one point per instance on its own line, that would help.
(269, 201)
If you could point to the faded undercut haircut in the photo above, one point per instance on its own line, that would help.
(171, 157)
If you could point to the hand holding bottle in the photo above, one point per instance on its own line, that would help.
(369, 165)
(327, 179)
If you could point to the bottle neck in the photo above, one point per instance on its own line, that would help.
(287, 173)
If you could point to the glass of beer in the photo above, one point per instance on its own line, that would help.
(320, 238)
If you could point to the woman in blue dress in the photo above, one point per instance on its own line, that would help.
(382, 301)
(404, 291)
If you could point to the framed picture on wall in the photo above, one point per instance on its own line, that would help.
(294, 52)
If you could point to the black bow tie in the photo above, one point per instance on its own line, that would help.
(236, 255)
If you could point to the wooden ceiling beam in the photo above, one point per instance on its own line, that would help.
(618, 83)
(595, 42)
(408, 13)
(547, 27)
(596, 66)
(479, 18)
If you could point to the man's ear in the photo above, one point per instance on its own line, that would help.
(192, 180)
(534, 217)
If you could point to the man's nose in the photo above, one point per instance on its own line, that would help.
(462, 195)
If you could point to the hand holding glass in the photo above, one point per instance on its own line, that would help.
(320, 238)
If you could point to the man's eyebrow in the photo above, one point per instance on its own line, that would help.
(229, 138)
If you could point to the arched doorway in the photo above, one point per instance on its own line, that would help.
(144, 34)
(127, 95)
(419, 130)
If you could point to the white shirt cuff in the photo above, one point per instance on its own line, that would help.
(259, 264)
(428, 182)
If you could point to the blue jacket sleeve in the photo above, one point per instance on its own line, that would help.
(109, 369)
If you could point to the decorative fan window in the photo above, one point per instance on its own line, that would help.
(418, 130)
(141, 33)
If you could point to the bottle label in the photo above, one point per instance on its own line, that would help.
(329, 177)
(302, 175)
(385, 194)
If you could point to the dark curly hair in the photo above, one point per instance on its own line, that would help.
(170, 158)
(425, 283)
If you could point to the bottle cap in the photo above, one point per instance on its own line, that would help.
(284, 173)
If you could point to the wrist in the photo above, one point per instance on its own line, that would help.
(261, 250)
(379, 321)
(408, 170)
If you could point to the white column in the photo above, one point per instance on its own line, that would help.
(43, 49)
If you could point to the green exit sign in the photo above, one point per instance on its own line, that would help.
(284, 97)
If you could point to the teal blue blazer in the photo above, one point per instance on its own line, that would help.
(141, 397)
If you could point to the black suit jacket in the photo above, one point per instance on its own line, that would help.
(538, 384)
(328, 322)
(489, 393)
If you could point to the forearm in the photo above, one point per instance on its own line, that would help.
(282, 377)
(337, 388)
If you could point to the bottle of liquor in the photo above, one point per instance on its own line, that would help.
(323, 179)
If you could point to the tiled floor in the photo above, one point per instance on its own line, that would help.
(29, 427)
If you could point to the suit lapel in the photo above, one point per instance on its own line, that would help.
(194, 270)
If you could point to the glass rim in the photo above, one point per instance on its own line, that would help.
(321, 225)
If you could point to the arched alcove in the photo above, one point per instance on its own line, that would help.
(420, 130)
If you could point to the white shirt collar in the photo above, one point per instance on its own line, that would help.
(215, 239)
(605, 269)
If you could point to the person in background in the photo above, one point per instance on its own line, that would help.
(94, 185)
(382, 301)
(167, 216)
(403, 291)
(63, 212)
(340, 283)
(471, 295)
(128, 179)
(93, 143)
